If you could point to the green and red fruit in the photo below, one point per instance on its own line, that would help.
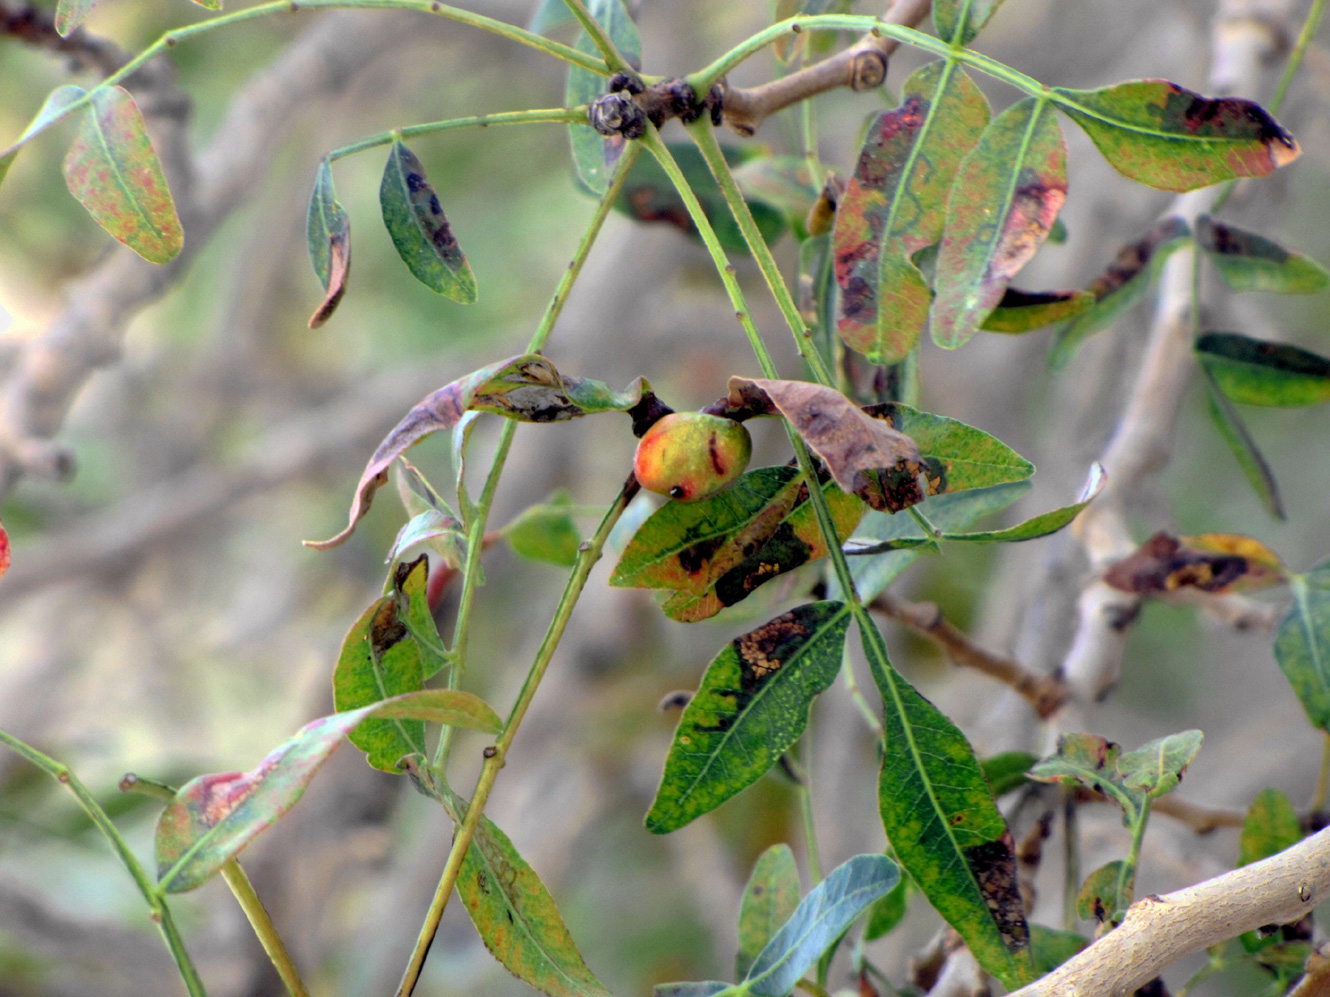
(690, 455)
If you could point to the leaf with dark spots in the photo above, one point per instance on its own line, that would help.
(69, 14)
(328, 236)
(410, 589)
(1081, 759)
(1211, 562)
(959, 21)
(1157, 767)
(1025, 311)
(213, 817)
(527, 388)
(944, 827)
(1119, 287)
(865, 455)
(1302, 643)
(896, 204)
(1045, 523)
(1249, 262)
(1097, 899)
(1160, 134)
(752, 705)
(796, 541)
(648, 195)
(1006, 195)
(769, 899)
(516, 916)
(1239, 439)
(52, 110)
(114, 172)
(956, 456)
(420, 230)
(1257, 372)
(595, 156)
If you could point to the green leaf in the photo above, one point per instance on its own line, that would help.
(595, 156)
(1043, 524)
(769, 900)
(1025, 311)
(114, 173)
(1249, 262)
(819, 920)
(1007, 771)
(69, 14)
(956, 511)
(958, 21)
(546, 532)
(887, 912)
(648, 195)
(420, 230)
(1119, 287)
(328, 236)
(551, 16)
(1160, 134)
(1271, 825)
(1052, 947)
(1006, 196)
(945, 828)
(52, 110)
(780, 182)
(1157, 767)
(896, 204)
(436, 529)
(862, 547)
(213, 817)
(1082, 759)
(410, 588)
(956, 457)
(527, 388)
(1097, 899)
(518, 920)
(1302, 643)
(751, 706)
(705, 988)
(1256, 372)
(1234, 432)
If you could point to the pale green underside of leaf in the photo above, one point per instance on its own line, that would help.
(769, 899)
(589, 146)
(1302, 644)
(1044, 524)
(53, 109)
(1234, 432)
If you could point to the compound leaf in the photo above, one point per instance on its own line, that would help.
(1257, 372)
(328, 236)
(1302, 644)
(751, 706)
(1160, 134)
(1249, 262)
(114, 173)
(420, 230)
(769, 899)
(1006, 196)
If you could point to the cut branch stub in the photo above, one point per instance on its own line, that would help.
(866, 456)
(420, 229)
(1160, 134)
(527, 388)
(328, 237)
(896, 204)
(114, 173)
(1003, 203)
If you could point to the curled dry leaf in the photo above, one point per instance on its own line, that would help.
(1211, 562)
(866, 456)
(527, 388)
(328, 236)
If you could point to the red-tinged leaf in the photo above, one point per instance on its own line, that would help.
(1249, 262)
(866, 456)
(527, 388)
(1119, 287)
(1006, 196)
(4, 551)
(54, 109)
(958, 21)
(1161, 134)
(1239, 439)
(1025, 311)
(328, 237)
(896, 204)
(1211, 562)
(420, 230)
(213, 817)
(113, 172)
(69, 14)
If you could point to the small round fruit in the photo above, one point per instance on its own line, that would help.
(690, 455)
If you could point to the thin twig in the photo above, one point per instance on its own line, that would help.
(862, 66)
(1043, 692)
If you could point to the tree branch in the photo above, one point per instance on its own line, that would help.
(1159, 931)
(862, 66)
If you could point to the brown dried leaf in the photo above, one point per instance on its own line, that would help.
(1211, 562)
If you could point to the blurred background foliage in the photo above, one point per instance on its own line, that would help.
(207, 640)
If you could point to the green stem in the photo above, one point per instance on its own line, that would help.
(160, 913)
(806, 806)
(1127, 873)
(557, 114)
(613, 57)
(243, 890)
(476, 534)
(924, 522)
(495, 754)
